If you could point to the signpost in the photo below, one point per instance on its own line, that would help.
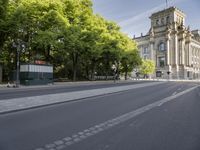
(168, 73)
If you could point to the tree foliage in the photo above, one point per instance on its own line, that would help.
(67, 34)
(129, 61)
(3, 12)
(147, 67)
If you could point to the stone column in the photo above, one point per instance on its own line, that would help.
(182, 57)
(198, 63)
(175, 49)
(176, 54)
(168, 51)
(183, 51)
(152, 50)
(199, 57)
(180, 52)
(188, 47)
(169, 59)
(189, 55)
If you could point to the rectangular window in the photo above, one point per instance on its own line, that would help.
(162, 47)
(168, 19)
(161, 61)
(145, 50)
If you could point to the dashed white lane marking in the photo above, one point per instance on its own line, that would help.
(174, 93)
(179, 89)
(67, 141)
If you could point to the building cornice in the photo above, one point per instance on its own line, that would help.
(168, 10)
(141, 37)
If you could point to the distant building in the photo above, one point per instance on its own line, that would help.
(172, 45)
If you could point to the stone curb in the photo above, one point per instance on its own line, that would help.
(17, 104)
(56, 84)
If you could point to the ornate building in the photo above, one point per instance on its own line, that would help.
(172, 45)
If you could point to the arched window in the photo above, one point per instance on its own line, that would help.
(161, 46)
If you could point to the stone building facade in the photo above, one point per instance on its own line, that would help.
(172, 45)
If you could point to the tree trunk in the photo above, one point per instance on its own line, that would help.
(74, 73)
(87, 72)
(93, 69)
(75, 61)
(126, 74)
(92, 74)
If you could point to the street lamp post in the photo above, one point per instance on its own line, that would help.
(20, 46)
(114, 69)
(17, 70)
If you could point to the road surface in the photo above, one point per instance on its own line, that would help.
(161, 117)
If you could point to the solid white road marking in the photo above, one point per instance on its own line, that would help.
(67, 141)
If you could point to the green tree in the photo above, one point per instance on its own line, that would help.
(130, 60)
(38, 24)
(92, 47)
(111, 50)
(147, 67)
(129, 56)
(67, 34)
(78, 12)
(3, 13)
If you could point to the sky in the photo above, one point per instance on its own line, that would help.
(133, 15)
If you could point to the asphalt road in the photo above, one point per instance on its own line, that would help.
(8, 93)
(121, 121)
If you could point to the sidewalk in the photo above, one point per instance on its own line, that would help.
(4, 86)
(17, 104)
